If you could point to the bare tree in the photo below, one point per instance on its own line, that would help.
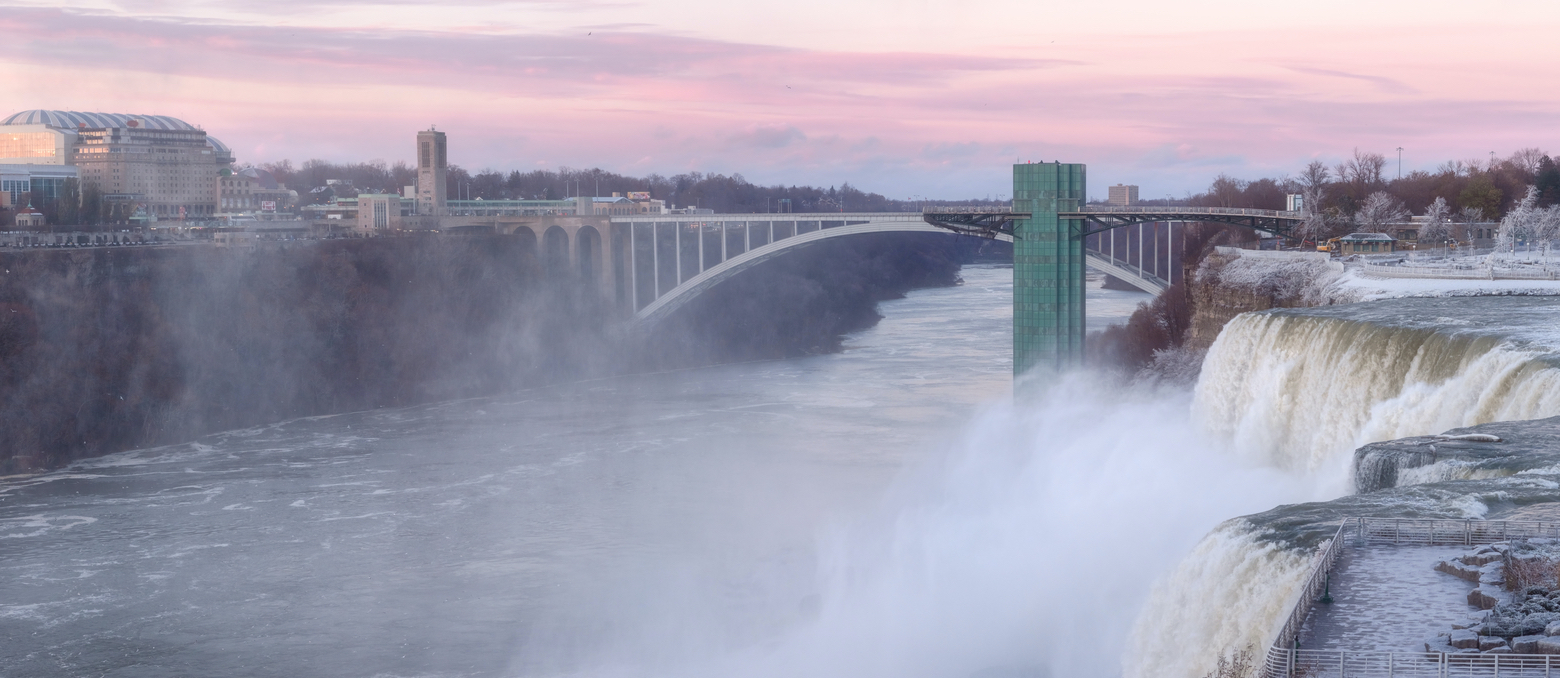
(1527, 161)
(1226, 191)
(1437, 227)
(1364, 169)
(1380, 208)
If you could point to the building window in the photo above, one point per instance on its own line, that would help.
(27, 145)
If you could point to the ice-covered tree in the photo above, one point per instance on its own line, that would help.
(1547, 227)
(1519, 223)
(1437, 228)
(1380, 208)
(1313, 195)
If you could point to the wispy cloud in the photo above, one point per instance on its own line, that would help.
(1384, 84)
(1162, 110)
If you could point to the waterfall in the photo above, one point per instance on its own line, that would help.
(1088, 530)
(1300, 391)
(1305, 390)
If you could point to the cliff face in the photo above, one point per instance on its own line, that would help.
(1228, 284)
(107, 349)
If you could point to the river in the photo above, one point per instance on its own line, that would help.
(631, 521)
(888, 510)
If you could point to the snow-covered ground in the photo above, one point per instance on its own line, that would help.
(1357, 285)
(1316, 280)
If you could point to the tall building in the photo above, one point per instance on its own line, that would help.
(432, 165)
(167, 167)
(1123, 195)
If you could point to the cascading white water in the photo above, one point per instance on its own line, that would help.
(1090, 534)
(1305, 391)
(1300, 393)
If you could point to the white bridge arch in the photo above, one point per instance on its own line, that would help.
(742, 241)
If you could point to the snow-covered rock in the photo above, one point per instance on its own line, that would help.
(1463, 639)
(1526, 644)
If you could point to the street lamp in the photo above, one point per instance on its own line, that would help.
(1400, 162)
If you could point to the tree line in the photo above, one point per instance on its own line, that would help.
(1357, 195)
(1354, 194)
(720, 192)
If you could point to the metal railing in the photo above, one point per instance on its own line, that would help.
(1449, 273)
(1426, 532)
(1311, 589)
(1335, 664)
(1240, 211)
(1285, 660)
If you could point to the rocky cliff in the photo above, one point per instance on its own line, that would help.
(106, 349)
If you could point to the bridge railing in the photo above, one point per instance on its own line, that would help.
(1285, 660)
(1225, 211)
(973, 209)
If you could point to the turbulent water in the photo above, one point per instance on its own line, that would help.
(887, 511)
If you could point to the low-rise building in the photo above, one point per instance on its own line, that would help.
(1366, 243)
(30, 219)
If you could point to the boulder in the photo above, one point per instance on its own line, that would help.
(1487, 643)
(1493, 573)
(1498, 650)
(1458, 569)
(1481, 559)
(1548, 645)
(1526, 644)
(1464, 639)
(1553, 629)
(1484, 597)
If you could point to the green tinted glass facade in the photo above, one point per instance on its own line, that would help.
(1048, 261)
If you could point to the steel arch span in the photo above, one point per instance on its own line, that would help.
(848, 225)
(827, 226)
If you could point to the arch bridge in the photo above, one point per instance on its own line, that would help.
(676, 258)
(653, 265)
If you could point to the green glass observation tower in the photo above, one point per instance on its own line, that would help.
(1048, 262)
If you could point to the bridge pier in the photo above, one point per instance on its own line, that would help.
(1048, 267)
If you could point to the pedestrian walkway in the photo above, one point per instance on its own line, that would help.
(1388, 599)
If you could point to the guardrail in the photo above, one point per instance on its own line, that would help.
(971, 209)
(1310, 590)
(1285, 660)
(1240, 211)
(1441, 273)
(1323, 664)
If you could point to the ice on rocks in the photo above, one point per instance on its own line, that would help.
(1526, 644)
(1484, 597)
(1463, 639)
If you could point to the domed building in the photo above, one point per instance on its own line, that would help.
(165, 167)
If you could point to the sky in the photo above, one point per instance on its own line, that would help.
(907, 98)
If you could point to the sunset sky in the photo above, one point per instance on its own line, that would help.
(900, 97)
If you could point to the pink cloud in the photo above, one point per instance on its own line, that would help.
(1170, 110)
